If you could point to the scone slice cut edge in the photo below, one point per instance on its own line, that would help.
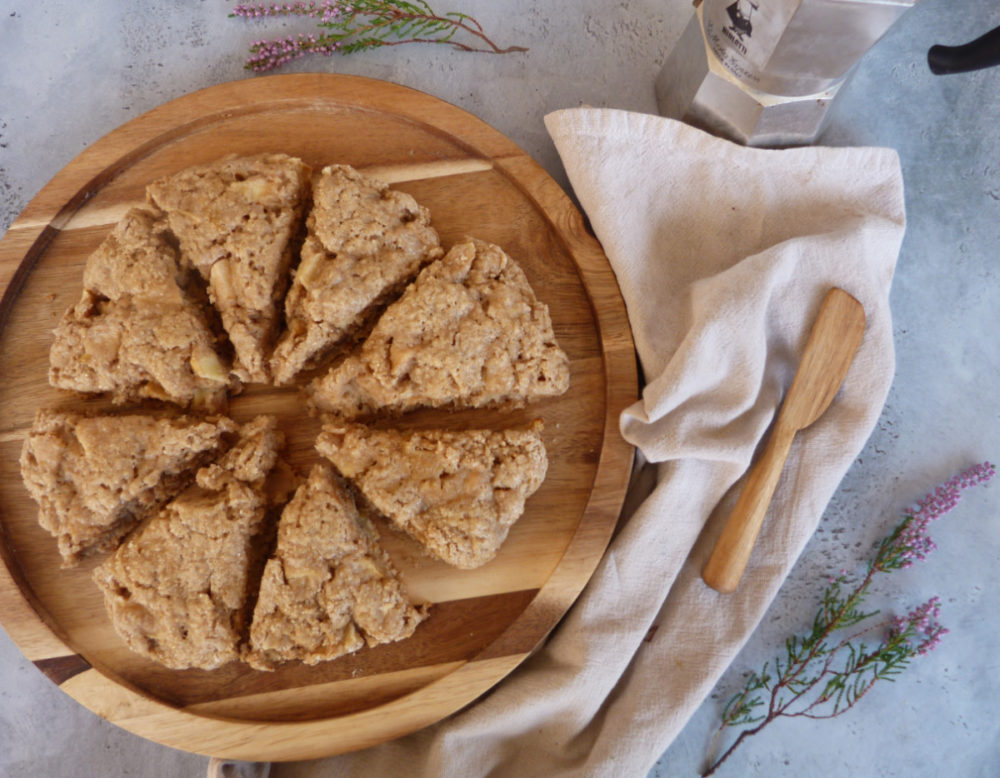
(96, 476)
(469, 332)
(365, 242)
(176, 590)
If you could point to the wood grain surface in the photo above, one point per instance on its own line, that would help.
(483, 622)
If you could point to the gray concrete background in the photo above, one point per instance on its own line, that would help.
(71, 72)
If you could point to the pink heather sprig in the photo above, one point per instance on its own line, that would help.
(326, 11)
(910, 542)
(921, 623)
(822, 675)
(358, 25)
(271, 54)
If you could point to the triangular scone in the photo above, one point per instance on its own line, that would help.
(365, 242)
(176, 590)
(469, 332)
(456, 492)
(95, 477)
(235, 220)
(136, 332)
(330, 587)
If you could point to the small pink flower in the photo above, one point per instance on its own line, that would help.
(922, 622)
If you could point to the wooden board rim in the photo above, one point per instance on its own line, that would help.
(276, 741)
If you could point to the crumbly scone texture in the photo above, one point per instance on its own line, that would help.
(330, 588)
(136, 333)
(96, 477)
(365, 241)
(468, 333)
(456, 492)
(236, 220)
(176, 590)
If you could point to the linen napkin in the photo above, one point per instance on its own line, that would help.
(723, 255)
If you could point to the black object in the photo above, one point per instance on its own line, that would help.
(983, 52)
(741, 23)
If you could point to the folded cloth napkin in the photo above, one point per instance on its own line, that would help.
(723, 255)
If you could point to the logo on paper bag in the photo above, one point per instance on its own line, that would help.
(739, 17)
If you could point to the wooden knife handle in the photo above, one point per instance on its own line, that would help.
(732, 550)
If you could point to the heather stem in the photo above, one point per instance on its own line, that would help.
(729, 751)
(810, 661)
(477, 31)
(362, 25)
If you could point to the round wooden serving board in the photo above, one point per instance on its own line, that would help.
(483, 622)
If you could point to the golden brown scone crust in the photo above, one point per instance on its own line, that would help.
(136, 333)
(95, 477)
(456, 492)
(468, 333)
(330, 588)
(176, 589)
(365, 242)
(236, 220)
